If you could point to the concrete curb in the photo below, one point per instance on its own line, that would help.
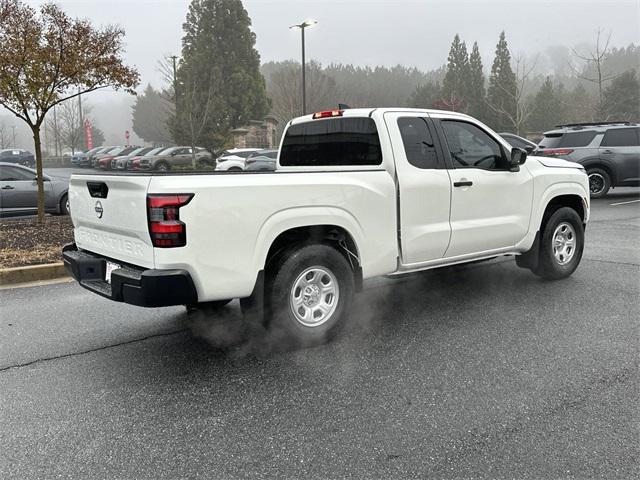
(32, 273)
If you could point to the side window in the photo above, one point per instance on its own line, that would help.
(12, 174)
(471, 147)
(577, 139)
(620, 137)
(418, 142)
(516, 142)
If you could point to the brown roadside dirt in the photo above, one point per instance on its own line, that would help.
(25, 242)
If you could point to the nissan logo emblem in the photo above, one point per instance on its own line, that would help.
(99, 210)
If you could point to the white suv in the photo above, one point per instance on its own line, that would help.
(234, 160)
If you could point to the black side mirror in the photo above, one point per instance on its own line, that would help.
(518, 157)
(530, 149)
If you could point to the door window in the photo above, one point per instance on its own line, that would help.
(12, 174)
(471, 147)
(418, 142)
(620, 137)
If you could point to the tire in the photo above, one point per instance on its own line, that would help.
(64, 205)
(309, 293)
(162, 167)
(235, 169)
(599, 182)
(561, 245)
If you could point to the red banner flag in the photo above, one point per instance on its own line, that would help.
(88, 134)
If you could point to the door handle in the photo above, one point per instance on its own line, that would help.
(465, 183)
(607, 151)
(8, 187)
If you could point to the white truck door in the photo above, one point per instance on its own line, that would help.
(490, 205)
(424, 187)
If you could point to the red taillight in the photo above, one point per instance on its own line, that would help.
(557, 151)
(328, 114)
(165, 227)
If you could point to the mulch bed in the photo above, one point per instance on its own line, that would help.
(25, 242)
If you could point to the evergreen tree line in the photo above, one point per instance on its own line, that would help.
(513, 99)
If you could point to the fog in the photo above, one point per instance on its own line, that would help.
(362, 32)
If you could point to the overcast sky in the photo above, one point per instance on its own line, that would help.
(363, 32)
(373, 32)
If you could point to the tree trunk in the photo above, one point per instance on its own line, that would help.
(38, 147)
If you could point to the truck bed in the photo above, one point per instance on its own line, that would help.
(233, 218)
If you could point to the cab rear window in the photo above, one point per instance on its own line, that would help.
(332, 142)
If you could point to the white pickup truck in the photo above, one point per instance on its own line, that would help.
(357, 193)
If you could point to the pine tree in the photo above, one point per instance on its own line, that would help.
(622, 98)
(547, 108)
(475, 85)
(426, 95)
(220, 86)
(454, 85)
(150, 117)
(502, 92)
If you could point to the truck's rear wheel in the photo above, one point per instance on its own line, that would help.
(309, 295)
(561, 245)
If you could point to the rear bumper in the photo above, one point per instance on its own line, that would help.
(129, 284)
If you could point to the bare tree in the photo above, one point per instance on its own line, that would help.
(197, 109)
(165, 68)
(594, 71)
(284, 81)
(518, 118)
(3, 134)
(66, 128)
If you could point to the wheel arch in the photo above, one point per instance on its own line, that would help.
(567, 200)
(329, 225)
(559, 195)
(606, 166)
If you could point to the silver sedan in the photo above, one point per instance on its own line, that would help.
(19, 192)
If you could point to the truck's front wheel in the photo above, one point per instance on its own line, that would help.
(310, 294)
(561, 245)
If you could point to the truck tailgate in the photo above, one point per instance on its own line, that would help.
(109, 216)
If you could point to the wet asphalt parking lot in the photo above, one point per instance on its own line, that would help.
(482, 371)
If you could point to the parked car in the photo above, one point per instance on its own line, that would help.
(234, 160)
(103, 152)
(610, 152)
(363, 192)
(18, 156)
(19, 191)
(105, 162)
(174, 157)
(520, 142)
(122, 161)
(83, 159)
(134, 163)
(262, 160)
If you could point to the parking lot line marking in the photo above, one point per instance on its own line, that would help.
(624, 203)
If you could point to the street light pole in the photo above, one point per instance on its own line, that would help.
(304, 77)
(302, 26)
(175, 79)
